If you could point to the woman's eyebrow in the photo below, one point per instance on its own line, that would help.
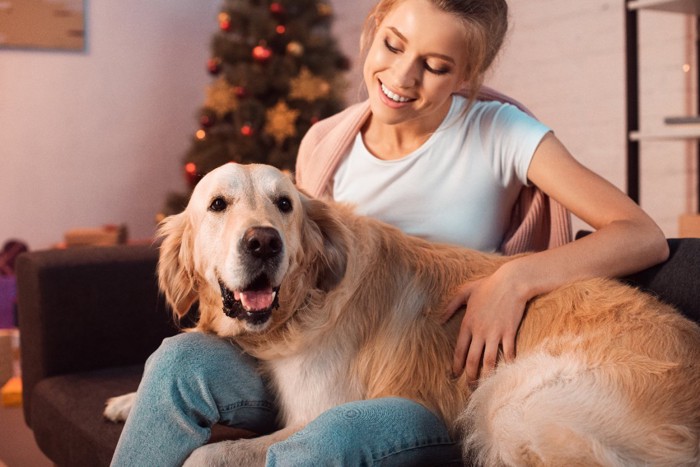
(447, 58)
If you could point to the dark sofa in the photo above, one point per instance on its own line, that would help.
(89, 318)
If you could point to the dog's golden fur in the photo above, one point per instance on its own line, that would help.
(604, 374)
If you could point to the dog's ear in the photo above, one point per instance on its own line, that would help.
(326, 238)
(176, 277)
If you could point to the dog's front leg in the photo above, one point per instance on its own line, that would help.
(118, 408)
(243, 452)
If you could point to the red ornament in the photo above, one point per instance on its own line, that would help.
(262, 53)
(207, 121)
(276, 8)
(225, 21)
(280, 29)
(240, 92)
(247, 130)
(214, 65)
(191, 174)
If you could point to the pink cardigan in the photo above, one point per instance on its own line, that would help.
(537, 221)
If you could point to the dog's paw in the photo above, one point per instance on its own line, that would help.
(208, 455)
(242, 452)
(118, 408)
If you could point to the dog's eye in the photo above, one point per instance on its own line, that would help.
(284, 204)
(218, 204)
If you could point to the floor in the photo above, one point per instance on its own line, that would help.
(17, 446)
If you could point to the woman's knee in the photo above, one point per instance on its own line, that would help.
(201, 372)
(196, 352)
(387, 431)
(216, 366)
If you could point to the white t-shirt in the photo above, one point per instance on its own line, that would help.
(459, 187)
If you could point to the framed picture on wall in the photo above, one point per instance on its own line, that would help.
(42, 24)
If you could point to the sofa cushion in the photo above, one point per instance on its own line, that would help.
(67, 415)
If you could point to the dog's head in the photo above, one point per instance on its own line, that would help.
(247, 242)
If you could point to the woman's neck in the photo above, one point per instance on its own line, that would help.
(389, 142)
(394, 141)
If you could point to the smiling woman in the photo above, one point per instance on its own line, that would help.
(412, 67)
(483, 32)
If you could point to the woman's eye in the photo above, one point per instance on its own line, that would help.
(391, 48)
(430, 69)
(436, 71)
(218, 204)
(284, 204)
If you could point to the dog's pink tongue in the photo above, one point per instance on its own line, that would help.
(258, 300)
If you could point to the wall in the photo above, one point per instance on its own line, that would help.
(566, 60)
(97, 137)
(668, 183)
(349, 18)
(94, 138)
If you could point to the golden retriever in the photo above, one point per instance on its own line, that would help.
(604, 374)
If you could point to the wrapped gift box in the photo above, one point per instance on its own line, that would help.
(12, 392)
(98, 236)
(9, 355)
(8, 300)
(689, 225)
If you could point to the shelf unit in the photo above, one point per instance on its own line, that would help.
(669, 132)
(677, 6)
(686, 131)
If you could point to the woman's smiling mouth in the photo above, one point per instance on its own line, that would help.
(393, 96)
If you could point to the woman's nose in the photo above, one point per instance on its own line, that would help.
(405, 73)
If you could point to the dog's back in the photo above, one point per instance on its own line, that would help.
(605, 374)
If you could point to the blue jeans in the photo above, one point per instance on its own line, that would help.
(194, 381)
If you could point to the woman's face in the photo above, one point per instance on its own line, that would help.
(414, 64)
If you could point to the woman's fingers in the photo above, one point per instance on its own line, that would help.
(464, 342)
(458, 301)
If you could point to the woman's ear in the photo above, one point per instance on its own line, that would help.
(176, 265)
(326, 239)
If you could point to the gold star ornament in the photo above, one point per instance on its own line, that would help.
(308, 87)
(221, 97)
(281, 121)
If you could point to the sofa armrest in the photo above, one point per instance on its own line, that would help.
(87, 308)
(677, 280)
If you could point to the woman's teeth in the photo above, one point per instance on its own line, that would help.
(392, 96)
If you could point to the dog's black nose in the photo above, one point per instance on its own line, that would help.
(262, 242)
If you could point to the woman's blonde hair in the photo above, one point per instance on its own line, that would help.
(485, 24)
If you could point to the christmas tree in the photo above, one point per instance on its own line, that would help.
(276, 71)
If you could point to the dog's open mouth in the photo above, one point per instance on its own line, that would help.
(254, 303)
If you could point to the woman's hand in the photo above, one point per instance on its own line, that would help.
(494, 312)
(625, 240)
